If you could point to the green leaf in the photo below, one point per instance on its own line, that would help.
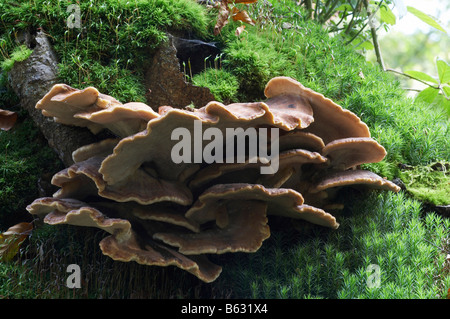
(422, 76)
(446, 90)
(443, 103)
(344, 7)
(443, 70)
(387, 15)
(425, 18)
(428, 95)
(363, 43)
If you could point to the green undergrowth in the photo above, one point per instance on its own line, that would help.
(24, 159)
(387, 230)
(20, 53)
(222, 84)
(40, 271)
(410, 132)
(430, 183)
(114, 44)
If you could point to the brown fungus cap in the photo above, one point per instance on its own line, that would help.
(349, 152)
(62, 102)
(286, 112)
(79, 179)
(158, 213)
(331, 121)
(73, 212)
(121, 119)
(154, 144)
(122, 244)
(155, 254)
(289, 162)
(244, 231)
(43, 206)
(281, 201)
(204, 209)
(300, 140)
(352, 178)
(94, 110)
(99, 149)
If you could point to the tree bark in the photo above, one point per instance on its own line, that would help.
(31, 80)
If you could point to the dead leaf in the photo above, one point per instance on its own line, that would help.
(12, 239)
(222, 19)
(7, 119)
(242, 16)
(239, 30)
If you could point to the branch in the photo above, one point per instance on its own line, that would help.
(330, 12)
(354, 14)
(356, 35)
(411, 77)
(373, 31)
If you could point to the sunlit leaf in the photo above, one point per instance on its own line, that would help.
(387, 15)
(425, 18)
(446, 90)
(428, 95)
(365, 44)
(442, 102)
(443, 70)
(12, 239)
(7, 119)
(422, 76)
(345, 7)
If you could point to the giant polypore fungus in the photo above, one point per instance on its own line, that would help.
(165, 211)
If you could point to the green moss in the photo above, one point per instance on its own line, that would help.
(116, 40)
(223, 85)
(430, 183)
(385, 229)
(410, 132)
(19, 54)
(24, 158)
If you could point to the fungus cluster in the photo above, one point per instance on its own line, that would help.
(161, 212)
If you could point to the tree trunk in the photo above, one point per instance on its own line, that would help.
(31, 80)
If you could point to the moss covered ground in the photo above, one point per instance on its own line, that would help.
(111, 51)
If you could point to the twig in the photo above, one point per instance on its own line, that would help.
(356, 35)
(330, 11)
(373, 31)
(354, 14)
(411, 77)
(412, 89)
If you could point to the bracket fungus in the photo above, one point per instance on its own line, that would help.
(161, 210)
